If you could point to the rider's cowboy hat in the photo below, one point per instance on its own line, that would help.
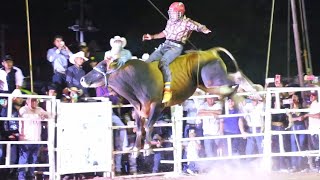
(118, 38)
(79, 54)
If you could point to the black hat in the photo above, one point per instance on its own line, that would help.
(52, 86)
(7, 58)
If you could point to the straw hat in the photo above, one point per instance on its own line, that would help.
(79, 54)
(118, 38)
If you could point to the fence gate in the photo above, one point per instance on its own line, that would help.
(84, 138)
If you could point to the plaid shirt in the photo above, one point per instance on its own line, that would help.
(181, 30)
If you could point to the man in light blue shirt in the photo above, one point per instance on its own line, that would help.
(58, 56)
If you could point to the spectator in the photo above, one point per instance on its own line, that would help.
(297, 140)
(117, 52)
(255, 122)
(190, 109)
(211, 126)
(158, 141)
(278, 122)
(234, 126)
(314, 124)
(75, 73)
(30, 130)
(58, 56)
(10, 128)
(11, 77)
(192, 152)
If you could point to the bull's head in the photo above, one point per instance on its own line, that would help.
(97, 77)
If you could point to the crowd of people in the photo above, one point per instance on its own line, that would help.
(250, 124)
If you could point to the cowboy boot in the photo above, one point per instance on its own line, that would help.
(167, 94)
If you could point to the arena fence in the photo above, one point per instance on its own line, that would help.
(267, 134)
(84, 136)
(6, 102)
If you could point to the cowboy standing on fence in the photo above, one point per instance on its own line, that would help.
(177, 32)
(117, 52)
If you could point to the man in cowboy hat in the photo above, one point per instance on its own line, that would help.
(75, 73)
(177, 32)
(117, 51)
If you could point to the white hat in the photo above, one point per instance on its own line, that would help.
(79, 54)
(118, 38)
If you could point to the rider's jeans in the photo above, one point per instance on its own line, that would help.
(166, 53)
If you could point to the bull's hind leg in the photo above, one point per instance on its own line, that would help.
(155, 111)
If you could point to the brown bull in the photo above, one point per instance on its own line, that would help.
(142, 84)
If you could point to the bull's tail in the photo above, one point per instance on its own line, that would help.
(230, 55)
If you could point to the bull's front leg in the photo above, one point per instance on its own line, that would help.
(138, 130)
(155, 112)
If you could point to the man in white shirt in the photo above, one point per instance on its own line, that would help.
(211, 126)
(30, 130)
(255, 122)
(11, 77)
(314, 124)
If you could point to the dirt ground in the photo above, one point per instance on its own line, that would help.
(230, 176)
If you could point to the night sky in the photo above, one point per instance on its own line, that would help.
(241, 26)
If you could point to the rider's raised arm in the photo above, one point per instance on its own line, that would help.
(195, 26)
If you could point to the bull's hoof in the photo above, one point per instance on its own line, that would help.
(135, 152)
(225, 90)
(235, 89)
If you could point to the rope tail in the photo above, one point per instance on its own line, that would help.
(234, 62)
(230, 55)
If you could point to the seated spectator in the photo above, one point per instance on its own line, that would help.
(11, 77)
(75, 73)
